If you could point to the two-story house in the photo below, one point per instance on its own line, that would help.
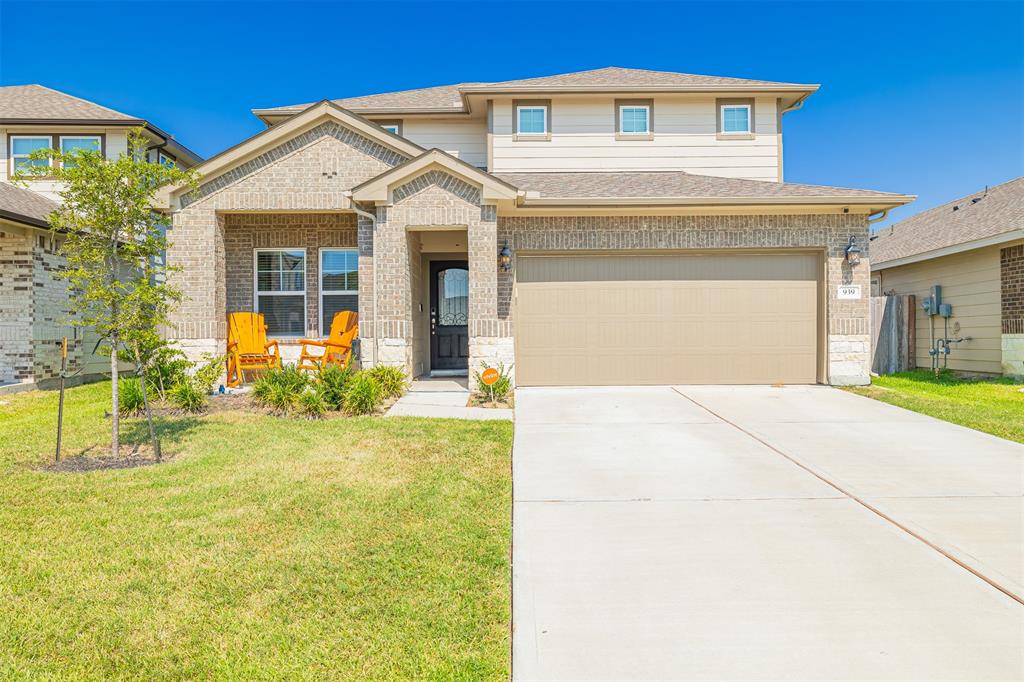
(33, 303)
(615, 226)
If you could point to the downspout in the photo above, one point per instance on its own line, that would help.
(373, 221)
(878, 215)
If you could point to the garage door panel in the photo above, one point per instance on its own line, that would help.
(694, 318)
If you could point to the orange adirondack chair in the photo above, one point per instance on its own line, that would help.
(248, 347)
(337, 348)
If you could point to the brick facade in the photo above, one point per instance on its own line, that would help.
(1011, 274)
(296, 196)
(34, 312)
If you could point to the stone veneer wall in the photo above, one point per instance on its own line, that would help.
(848, 343)
(1011, 270)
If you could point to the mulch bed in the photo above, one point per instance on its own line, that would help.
(482, 401)
(137, 456)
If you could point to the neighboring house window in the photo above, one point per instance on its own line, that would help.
(736, 119)
(166, 160)
(281, 290)
(532, 120)
(339, 284)
(634, 120)
(391, 128)
(73, 143)
(23, 145)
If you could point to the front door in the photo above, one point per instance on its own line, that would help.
(449, 314)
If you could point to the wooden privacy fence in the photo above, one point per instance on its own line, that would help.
(893, 333)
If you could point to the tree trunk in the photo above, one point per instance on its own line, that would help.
(115, 419)
(145, 402)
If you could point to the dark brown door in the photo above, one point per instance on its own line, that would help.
(449, 314)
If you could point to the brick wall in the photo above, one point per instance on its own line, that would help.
(15, 307)
(1011, 269)
(309, 231)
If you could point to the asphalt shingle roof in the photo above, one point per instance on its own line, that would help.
(24, 205)
(449, 97)
(976, 216)
(36, 102)
(670, 184)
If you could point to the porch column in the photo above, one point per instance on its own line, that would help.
(196, 246)
(394, 298)
(490, 338)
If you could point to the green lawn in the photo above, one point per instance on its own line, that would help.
(362, 548)
(995, 406)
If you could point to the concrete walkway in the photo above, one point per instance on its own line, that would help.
(760, 533)
(444, 397)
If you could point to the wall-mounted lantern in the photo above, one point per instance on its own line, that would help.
(853, 253)
(505, 258)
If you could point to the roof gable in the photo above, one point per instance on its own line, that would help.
(381, 187)
(39, 103)
(249, 150)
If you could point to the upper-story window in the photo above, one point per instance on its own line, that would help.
(736, 119)
(72, 143)
(634, 118)
(166, 160)
(22, 146)
(394, 127)
(533, 120)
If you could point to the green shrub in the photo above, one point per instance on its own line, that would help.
(188, 396)
(280, 388)
(129, 397)
(391, 379)
(363, 394)
(163, 365)
(313, 402)
(333, 382)
(501, 388)
(207, 373)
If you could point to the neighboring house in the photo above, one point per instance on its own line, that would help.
(33, 303)
(974, 249)
(615, 226)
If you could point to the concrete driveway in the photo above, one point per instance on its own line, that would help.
(761, 533)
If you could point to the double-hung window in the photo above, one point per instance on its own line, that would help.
(281, 290)
(635, 120)
(735, 119)
(70, 144)
(339, 284)
(532, 120)
(22, 146)
(166, 160)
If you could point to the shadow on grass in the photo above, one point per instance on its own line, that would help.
(170, 430)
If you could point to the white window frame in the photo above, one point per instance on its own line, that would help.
(83, 136)
(333, 292)
(391, 128)
(166, 159)
(750, 119)
(304, 293)
(14, 157)
(519, 120)
(647, 110)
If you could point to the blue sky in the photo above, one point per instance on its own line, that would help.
(925, 98)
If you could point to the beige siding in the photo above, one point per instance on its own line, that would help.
(116, 144)
(465, 139)
(685, 138)
(694, 318)
(970, 282)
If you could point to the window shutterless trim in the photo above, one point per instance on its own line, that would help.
(619, 104)
(161, 156)
(80, 136)
(333, 292)
(531, 104)
(12, 160)
(304, 293)
(54, 139)
(719, 119)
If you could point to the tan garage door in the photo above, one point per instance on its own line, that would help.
(694, 318)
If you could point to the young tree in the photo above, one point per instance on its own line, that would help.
(114, 244)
